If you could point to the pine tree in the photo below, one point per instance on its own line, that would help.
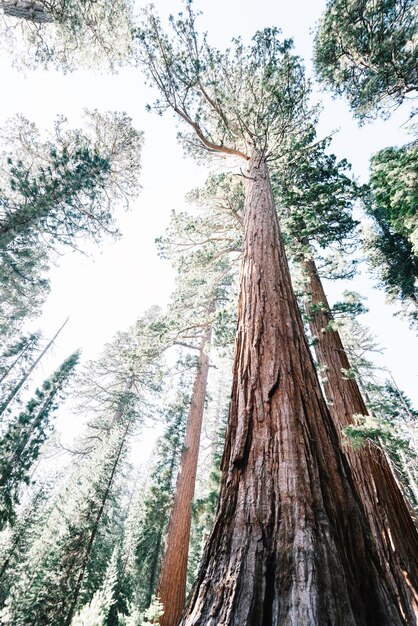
(14, 387)
(147, 522)
(205, 286)
(16, 540)
(250, 103)
(16, 354)
(96, 612)
(57, 191)
(21, 443)
(50, 582)
(392, 261)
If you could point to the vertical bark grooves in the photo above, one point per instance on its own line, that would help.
(173, 577)
(390, 517)
(290, 544)
(26, 10)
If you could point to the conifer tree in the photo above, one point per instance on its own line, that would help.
(16, 540)
(146, 524)
(21, 443)
(392, 420)
(16, 354)
(12, 390)
(366, 50)
(203, 285)
(275, 509)
(49, 583)
(317, 199)
(56, 191)
(390, 244)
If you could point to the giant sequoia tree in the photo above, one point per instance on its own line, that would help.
(290, 542)
(367, 51)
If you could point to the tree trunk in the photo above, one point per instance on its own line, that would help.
(18, 387)
(27, 10)
(388, 514)
(290, 544)
(173, 577)
(94, 531)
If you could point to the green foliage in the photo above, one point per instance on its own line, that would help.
(47, 586)
(153, 613)
(21, 442)
(68, 34)
(367, 51)
(351, 305)
(204, 245)
(54, 192)
(394, 183)
(393, 421)
(16, 540)
(392, 261)
(125, 376)
(96, 612)
(315, 198)
(147, 524)
(247, 98)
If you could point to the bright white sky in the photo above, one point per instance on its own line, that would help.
(108, 290)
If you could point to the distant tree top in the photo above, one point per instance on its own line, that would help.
(367, 51)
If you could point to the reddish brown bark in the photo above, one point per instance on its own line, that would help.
(290, 544)
(388, 513)
(172, 582)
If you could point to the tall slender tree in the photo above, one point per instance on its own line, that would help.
(204, 284)
(393, 526)
(147, 522)
(290, 542)
(12, 393)
(316, 197)
(21, 443)
(48, 587)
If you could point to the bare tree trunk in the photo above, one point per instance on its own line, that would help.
(389, 516)
(16, 361)
(290, 544)
(173, 577)
(18, 387)
(27, 10)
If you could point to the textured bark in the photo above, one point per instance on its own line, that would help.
(27, 10)
(290, 545)
(173, 577)
(390, 518)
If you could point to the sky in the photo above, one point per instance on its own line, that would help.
(107, 290)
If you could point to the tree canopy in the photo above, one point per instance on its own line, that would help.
(366, 50)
